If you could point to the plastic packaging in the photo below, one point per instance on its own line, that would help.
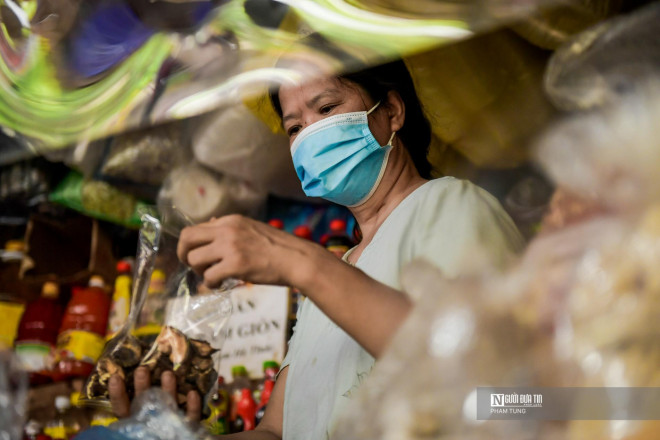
(97, 199)
(234, 142)
(154, 416)
(202, 193)
(13, 397)
(192, 327)
(81, 338)
(37, 334)
(606, 62)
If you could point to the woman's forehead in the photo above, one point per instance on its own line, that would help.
(306, 92)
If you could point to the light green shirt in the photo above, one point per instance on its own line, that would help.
(448, 222)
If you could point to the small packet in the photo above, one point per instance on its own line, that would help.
(192, 330)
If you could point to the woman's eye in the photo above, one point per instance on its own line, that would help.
(293, 130)
(327, 109)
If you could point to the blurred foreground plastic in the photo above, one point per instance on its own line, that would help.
(13, 397)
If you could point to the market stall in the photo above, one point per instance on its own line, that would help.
(124, 122)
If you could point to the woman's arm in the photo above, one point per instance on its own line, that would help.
(240, 247)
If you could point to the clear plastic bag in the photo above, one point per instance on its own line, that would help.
(13, 397)
(154, 416)
(191, 334)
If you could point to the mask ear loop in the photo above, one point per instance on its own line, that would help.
(373, 108)
(389, 143)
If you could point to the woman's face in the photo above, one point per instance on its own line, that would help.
(305, 104)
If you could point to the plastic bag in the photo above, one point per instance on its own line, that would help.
(97, 199)
(202, 193)
(234, 142)
(13, 397)
(146, 156)
(605, 62)
(154, 416)
(191, 333)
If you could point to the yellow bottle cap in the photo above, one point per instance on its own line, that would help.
(50, 289)
(15, 246)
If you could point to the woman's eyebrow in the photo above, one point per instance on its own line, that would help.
(331, 93)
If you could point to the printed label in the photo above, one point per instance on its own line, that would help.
(81, 345)
(11, 315)
(34, 356)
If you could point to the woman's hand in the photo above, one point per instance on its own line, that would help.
(142, 381)
(236, 246)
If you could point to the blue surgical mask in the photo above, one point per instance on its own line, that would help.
(338, 158)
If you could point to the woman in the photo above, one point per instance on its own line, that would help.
(360, 141)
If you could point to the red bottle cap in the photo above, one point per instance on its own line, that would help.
(338, 225)
(303, 231)
(276, 223)
(324, 239)
(124, 266)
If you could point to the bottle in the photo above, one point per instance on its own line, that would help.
(338, 242)
(121, 299)
(78, 413)
(152, 314)
(241, 382)
(63, 426)
(218, 421)
(270, 373)
(81, 338)
(303, 231)
(276, 223)
(246, 411)
(11, 307)
(37, 334)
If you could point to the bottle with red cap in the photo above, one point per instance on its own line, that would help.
(276, 223)
(270, 373)
(121, 298)
(338, 241)
(37, 334)
(303, 231)
(81, 338)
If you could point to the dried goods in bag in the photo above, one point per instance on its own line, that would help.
(192, 328)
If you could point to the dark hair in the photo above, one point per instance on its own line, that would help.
(377, 81)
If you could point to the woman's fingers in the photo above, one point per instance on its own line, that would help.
(118, 398)
(203, 257)
(141, 380)
(191, 238)
(168, 383)
(194, 406)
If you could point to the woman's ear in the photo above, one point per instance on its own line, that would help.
(396, 110)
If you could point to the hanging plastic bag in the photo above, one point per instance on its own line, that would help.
(203, 194)
(192, 328)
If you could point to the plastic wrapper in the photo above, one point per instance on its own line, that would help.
(97, 199)
(154, 416)
(202, 193)
(609, 155)
(146, 156)
(191, 333)
(13, 397)
(606, 61)
(234, 142)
